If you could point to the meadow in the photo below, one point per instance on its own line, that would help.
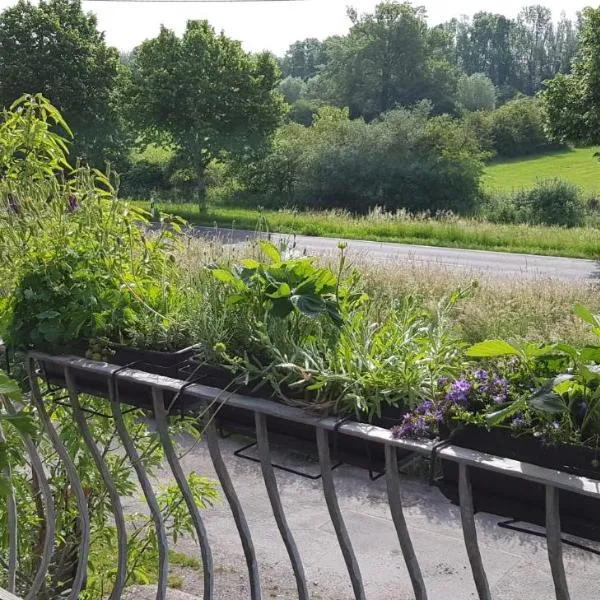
(578, 166)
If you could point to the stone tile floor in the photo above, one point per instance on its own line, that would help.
(516, 563)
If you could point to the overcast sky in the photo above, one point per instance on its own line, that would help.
(273, 25)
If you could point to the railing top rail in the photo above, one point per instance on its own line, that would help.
(205, 394)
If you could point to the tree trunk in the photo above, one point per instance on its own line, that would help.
(201, 188)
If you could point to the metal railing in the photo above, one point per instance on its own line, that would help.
(197, 396)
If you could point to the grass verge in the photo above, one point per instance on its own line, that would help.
(450, 232)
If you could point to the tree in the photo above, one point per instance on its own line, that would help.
(203, 95)
(56, 49)
(292, 89)
(533, 40)
(476, 92)
(572, 102)
(389, 58)
(304, 59)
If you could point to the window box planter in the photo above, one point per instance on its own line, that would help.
(523, 500)
(182, 365)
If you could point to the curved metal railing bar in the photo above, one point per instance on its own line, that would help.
(262, 438)
(336, 515)
(49, 517)
(555, 555)
(467, 516)
(115, 500)
(393, 490)
(237, 511)
(160, 414)
(13, 540)
(148, 491)
(72, 475)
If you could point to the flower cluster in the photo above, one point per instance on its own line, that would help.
(473, 392)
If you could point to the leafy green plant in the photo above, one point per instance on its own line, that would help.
(77, 263)
(282, 287)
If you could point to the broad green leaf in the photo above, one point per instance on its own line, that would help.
(9, 388)
(23, 422)
(548, 402)
(282, 307)
(283, 291)
(270, 251)
(498, 417)
(586, 315)
(590, 354)
(311, 306)
(223, 275)
(250, 263)
(492, 348)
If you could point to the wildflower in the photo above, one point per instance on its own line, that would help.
(481, 375)
(459, 392)
(556, 424)
(72, 204)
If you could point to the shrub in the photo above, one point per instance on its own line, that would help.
(404, 160)
(518, 129)
(141, 179)
(551, 202)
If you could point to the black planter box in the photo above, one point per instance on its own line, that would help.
(354, 451)
(167, 364)
(182, 365)
(520, 499)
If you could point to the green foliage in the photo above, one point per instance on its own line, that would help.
(551, 202)
(292, 89)
(517, 129)
(516, 54)
(204, 95)
(76, 264)
(304, 59)
(53, 47)
(282, 287)
(389, 58)
(476, 92)
(572, 102)
(404, 160)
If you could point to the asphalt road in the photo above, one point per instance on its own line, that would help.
(477, 261)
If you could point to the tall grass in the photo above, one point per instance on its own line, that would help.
(442, 230)
(510, 308)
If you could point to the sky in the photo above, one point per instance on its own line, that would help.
(273, 25)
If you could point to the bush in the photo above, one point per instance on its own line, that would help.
(404, 160)
(551, 202)
(141, 179)
(517, 129)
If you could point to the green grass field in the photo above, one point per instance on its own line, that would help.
(577, 166)
(453, 233)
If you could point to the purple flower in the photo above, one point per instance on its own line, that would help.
(500, 398)
(425, 408)
(72, 205)
(481, 375)
(459, 392)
